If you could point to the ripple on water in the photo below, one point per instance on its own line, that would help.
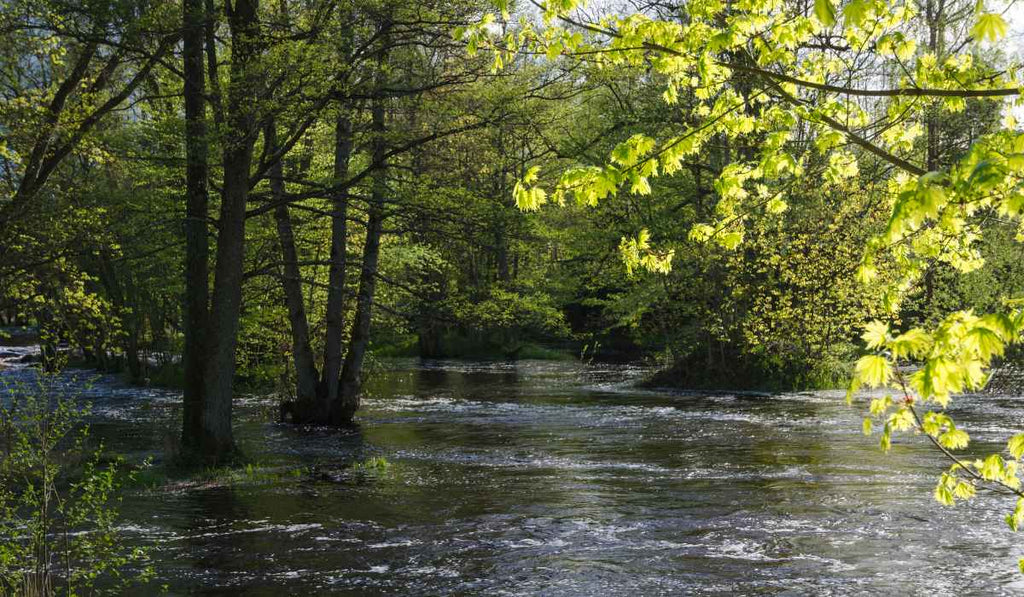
(559, 479)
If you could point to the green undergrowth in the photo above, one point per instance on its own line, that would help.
(177, 478)
(457, 346)
(752, 375)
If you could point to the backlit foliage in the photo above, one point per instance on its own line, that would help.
(823, 92)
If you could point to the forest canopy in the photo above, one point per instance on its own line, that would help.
(762, 194)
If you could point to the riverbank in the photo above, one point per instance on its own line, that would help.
(697, 374)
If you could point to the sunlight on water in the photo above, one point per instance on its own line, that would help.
(558, 479)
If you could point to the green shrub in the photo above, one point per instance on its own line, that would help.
(58, 501)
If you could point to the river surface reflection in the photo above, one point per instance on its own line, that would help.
(560, 479)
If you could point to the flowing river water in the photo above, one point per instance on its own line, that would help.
(555, 478)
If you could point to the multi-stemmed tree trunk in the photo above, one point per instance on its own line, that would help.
(334, 397)
(329, 381)
(316, 390)
(302, 352)
(339, 383)
(345, 407)
(226, 304)
(316, 393)
(212, 325)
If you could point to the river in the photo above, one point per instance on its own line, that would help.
(555, 478)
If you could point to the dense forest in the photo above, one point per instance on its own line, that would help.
(234, 197)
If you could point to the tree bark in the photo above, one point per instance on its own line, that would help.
(334, 333)
(336, 275)
(197, 247)
(291, 283)
(351, 375)
(212, 71)
(240, 120)
(934, 18)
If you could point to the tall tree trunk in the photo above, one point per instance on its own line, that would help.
(501, 195)
(197, 247)
(218, 441)
(934, 18)
(291, 282)
(336, 276)
(351, 374)
(212, 72)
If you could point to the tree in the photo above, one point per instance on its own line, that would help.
(111, 48)
(226, 299)
(409, 58)
(196, 213)
(66, 71)
(852, 84)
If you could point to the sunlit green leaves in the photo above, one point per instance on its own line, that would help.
(903, 419)
(943, 493)
(964, 490)
(951, 488)
(912, 344)
(776, 206)
(529, 198)
(841, 166)
(874, 370)
(937, 380)
(880, 405)
(954, 357)
(1002, 324)
(896, 44)
(701, 233)
(1016, 445)
(985, 342)
(876, 334)
(629, 153)
(935, 219)
(989, 26)
(502, 6)
(825, 11)
(954, 439)
(1015, 518)
(851, 389)
(731, 240)
(638, 254)
(856, 11)
(933, 423)
(987, 175)
(995, 468)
